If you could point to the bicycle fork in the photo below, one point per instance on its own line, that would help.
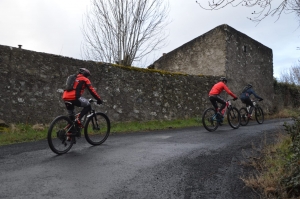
(94, 120)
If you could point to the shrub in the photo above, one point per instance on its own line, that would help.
(292, 182)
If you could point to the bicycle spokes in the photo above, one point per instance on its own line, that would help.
(210, 120)
(97, 129)
(57, 135)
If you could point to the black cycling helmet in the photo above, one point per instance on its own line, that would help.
(249, 85)
(85, 72)
(223, 79)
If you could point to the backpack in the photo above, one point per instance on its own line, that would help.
(70, 82)
(243, 93)
(245, 89)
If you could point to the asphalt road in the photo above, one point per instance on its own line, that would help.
(174, 163)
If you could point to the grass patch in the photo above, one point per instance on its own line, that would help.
(17, 133)
(284, 113)
(153, 125)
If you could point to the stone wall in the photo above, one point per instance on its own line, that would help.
(31, 84)
(224, 51)
(248, 61)
(204, 55)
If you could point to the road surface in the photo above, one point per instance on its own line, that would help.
(173, 163)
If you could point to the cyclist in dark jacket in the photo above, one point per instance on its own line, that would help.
(73, 98)
(245, 97)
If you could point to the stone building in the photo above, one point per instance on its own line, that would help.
(224, 51)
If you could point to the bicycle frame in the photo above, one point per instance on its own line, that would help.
(255, 105)
(228, 105)
(83, 120)
(257, 112)
(211, 120)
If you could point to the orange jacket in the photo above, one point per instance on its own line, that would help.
(218, 88)
(80, 84)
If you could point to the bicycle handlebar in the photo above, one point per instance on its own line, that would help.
(257, 100)
(233, 99)
(93, 100)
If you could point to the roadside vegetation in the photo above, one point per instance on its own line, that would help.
(277, 166)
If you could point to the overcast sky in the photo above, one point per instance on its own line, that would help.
(54, 26)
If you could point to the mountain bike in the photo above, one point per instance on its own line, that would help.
(63, 132)
(211, 119)
(258, 112)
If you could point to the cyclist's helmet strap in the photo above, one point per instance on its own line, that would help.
(85, 72)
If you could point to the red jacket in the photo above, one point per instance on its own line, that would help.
(218, 88)
(80, 84)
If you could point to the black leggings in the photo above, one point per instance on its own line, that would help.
(248, 102)
(80, 102)
(216, 98)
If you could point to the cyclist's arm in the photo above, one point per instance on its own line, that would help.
(92, 90)
(229, 91)
(255, 95)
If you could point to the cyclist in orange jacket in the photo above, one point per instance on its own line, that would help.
(214, 95)
(73, 98)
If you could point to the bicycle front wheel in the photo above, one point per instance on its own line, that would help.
(97, 129)
(244, 116)
(57, 135)
(234, 118)
(259, 115)
(209, 119)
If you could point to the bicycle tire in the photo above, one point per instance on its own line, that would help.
(244, 116)
(259, 115)
(57, 135)
(209, 119)
(96, 132)
(233, 117)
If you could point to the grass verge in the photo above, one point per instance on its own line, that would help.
(17, 133)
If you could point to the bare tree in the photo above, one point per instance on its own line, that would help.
(265, 7)
(123, 31)
(292, 75)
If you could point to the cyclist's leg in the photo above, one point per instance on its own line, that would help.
(213, 101)
(70, 107)
(248, 102)
(86, 107)
(222, 102)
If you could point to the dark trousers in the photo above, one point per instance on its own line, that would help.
(216, 98)
(248, 102)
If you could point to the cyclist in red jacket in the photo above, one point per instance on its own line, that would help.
(214, 95)
(73, 98)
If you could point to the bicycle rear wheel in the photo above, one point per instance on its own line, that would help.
(209, 119)
(244, 116)
(97, 129)
(233, 117)
(259, 115)
(57, 135)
